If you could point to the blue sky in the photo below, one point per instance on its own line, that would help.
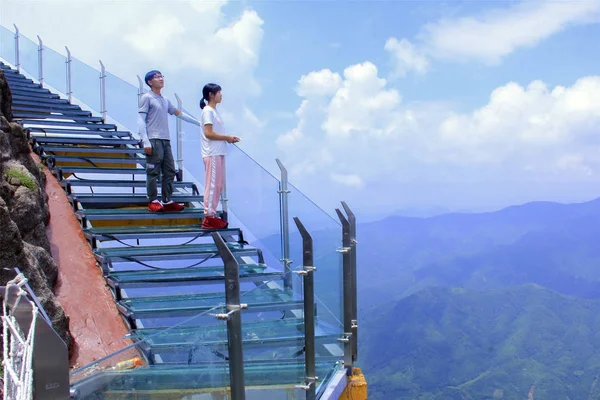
(385, 104)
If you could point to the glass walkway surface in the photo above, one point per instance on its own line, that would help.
(292, 330)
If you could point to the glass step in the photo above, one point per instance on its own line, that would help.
(27, 101)
(160, 232)
(96, 170)
(42, 132)
(34, 101)
(176, 275)
(96, 159)
(169, 306)
(255, 348)
(92, 150)
(86, 141)
(91, 126)
(19, 81)
(120, 183)
(71, 108)
(171, 250)
(59, 118)
(125, 214)
(34, 94)
(124, 199)
(32, 89)
(175, 345)
(163, 381)
(190, 334)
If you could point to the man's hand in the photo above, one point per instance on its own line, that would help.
(233, 139)
(148, 151)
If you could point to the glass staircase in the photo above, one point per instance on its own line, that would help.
(169, 276)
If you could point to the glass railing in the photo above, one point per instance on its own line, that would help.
(85, 82)
(161, 361)
(54, 69)
(7, 45)
(121, 102)
(253, 196)
(28, 56)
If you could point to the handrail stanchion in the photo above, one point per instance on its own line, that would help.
(103, 91)
(307, 273)
(353, 243)
(41, 60)
(233, 318)
(179, 132)
(284, 224)
(347, 292)
(69, 62)
(17, 52)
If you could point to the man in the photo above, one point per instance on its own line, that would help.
(154, 131)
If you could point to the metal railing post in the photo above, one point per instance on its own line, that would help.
(284, 224)
(233, 317)
(224, 199)
(103, 91)
(17, 52)
(140, 89)
(347, 292)
(179, 141)
(69, 62)
(353, 243)
(309, 311)
(41, 60)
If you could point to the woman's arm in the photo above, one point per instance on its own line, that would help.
(208, 132)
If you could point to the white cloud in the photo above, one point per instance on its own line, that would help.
(192, 42)
(363, 138)
(157, 35)
(351, 180)
(499, 32)
(208, 6)
(491, 35)
(574, 162)
(319, 83)
(530, 117)
(361, 104)
(406, 57)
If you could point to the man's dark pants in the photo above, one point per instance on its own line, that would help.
(161, 161)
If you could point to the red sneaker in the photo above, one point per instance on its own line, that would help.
(172, 206)
(213, 223)
(155, 206)
(221, 224)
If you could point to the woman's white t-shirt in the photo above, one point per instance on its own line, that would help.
(213, 147)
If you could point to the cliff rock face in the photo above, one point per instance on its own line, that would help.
(24, 215)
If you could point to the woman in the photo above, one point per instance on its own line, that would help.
(214, 148)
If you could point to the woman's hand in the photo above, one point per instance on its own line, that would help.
(233, 139)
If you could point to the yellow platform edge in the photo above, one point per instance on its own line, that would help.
(356, 386)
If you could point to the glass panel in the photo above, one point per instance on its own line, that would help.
(253, 198)
(273, 335)
(85, 83)
(7, 45)
(28, 55)
(55, 70)
(161, 362)
(122, 102)
(326, 234)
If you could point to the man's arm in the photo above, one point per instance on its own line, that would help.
(142, 128)
(186, 117)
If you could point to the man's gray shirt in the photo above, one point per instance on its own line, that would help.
(155, 108)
